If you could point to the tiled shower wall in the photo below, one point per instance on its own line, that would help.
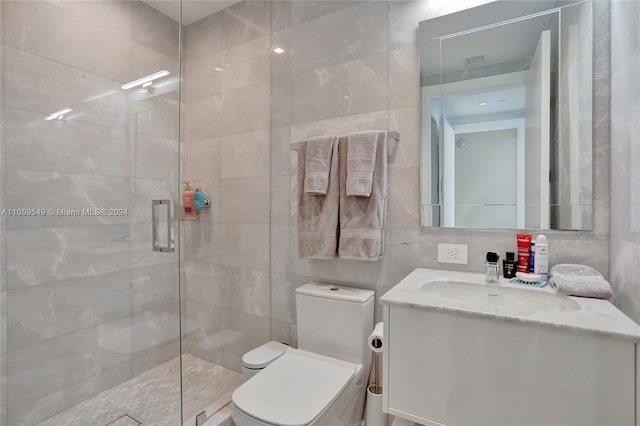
(87, 304)
(227, 77)
(346, 66)
(625, 157)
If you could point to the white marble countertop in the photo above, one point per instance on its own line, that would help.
(578, 313)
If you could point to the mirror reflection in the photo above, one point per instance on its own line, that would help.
(506, 118)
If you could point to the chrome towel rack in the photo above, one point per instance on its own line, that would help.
(392, 136)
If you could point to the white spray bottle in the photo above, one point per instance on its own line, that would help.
(541, 265)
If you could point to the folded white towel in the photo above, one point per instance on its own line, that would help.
(318, 216)
(317, 164)
(579, 280)
(361, 161)
(363, 219)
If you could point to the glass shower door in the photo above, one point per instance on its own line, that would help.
(90, 116)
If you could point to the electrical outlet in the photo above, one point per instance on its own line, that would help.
(453, 253)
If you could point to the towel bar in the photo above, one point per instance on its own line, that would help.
(392, 135)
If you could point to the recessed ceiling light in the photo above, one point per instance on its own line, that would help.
(218, 69)
(278, 50)
(483, 103)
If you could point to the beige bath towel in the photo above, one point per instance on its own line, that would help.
(318, 215)
(361, 160)
(318, 163)
(363, 219)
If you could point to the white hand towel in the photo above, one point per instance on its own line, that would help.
(317, 164)
(318, 216)
(579, 280)
(361, 161)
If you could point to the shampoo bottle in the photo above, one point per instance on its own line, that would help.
(189, 211)
(198, 198)
(541, 263)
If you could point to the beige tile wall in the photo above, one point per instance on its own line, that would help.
(347, 66)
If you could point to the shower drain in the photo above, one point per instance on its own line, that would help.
(124, 420)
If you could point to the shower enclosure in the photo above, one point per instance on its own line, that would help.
(91, 322)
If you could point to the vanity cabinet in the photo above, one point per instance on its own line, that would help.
(453, 367)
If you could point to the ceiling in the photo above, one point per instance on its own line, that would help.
(192, 10)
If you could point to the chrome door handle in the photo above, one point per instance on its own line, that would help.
(156, 236)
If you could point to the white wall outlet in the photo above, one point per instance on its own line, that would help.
(453, 253)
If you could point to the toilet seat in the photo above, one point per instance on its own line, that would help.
(295, 389)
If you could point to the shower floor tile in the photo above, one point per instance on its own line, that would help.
(153, 398)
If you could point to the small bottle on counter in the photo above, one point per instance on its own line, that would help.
(493, 269)
(509, 265)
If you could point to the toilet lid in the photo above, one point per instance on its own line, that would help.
(263, 355)
(294, 389)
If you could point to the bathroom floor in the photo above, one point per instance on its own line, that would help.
(153, 397)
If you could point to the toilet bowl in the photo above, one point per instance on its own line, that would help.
(323, 382)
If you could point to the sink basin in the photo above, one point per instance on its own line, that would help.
(522, 300)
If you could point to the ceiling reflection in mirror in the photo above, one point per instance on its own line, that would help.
(506, 117)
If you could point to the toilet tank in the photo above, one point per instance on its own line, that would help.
(335, 321)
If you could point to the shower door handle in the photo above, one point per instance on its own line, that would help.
(156, 232)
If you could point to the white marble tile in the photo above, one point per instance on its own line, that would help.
(403, 198)
(283, 298)
(203, 38)
(203, 241)
(252, 332)
(30, 142)
(289, 13)
(280, 196)
(245, 155)
(154, 115)
(281, 151)
(340, 125)
(404, 77)
(245, 21)
(55, 192)
(350, 88)
(203, 77)
(246, 290)
(115, 16)
(48, 31)
(37, 84)
(405, 121)
(245, 200)
(202, 159)
(204, 327)
(153, 287)
(203, 118)
(202, 283)
(284, 332)
(155, 30)
(155, 157)
(246, 64)
(351, 33)
(38, 370)
(45, 311)
(280, 248)
(246, 109)
(404, 17)
(245, 246)
(45, 407)
(45, 255)
(281, 102)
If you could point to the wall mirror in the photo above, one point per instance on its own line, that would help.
(506, 117)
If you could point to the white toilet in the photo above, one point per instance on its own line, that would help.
(324, 381)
